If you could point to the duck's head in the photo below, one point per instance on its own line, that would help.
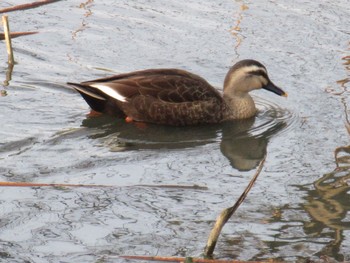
(247, 75)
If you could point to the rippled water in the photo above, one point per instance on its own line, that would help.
(160, 189)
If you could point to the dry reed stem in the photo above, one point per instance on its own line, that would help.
(5, 22)
(228, 212)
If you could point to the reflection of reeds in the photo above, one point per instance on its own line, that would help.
(8, 76)
(88, 12)
(236, 29)
(327, 205)
(342, 91)
(342, 160)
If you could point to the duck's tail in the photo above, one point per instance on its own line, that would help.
(92, 96)
(97, 100)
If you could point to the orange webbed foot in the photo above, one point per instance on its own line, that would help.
(129, 119)
(93, 113)
(140, 125)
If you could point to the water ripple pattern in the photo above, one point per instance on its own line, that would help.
(163, 186)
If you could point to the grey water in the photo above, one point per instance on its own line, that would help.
(159, 189)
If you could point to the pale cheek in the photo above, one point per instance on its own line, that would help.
(255, 84)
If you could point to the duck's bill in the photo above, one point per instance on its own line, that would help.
(273, 88)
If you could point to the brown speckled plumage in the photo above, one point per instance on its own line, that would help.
(177, 97)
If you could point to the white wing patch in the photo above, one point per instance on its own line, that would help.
(109, 91)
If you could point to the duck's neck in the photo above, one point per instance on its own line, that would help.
(240, 106)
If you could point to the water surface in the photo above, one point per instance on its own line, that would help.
(164, 187)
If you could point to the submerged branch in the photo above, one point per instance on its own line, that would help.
(228, 212)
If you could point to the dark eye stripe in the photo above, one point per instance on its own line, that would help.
(258, 73)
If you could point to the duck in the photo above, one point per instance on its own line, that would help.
(169, 96)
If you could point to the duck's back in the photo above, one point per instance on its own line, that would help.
(163, 96)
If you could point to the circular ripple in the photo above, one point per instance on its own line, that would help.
(272, 118)
(118, 135)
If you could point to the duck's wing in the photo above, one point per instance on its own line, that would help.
(166, 96)
(168, 85)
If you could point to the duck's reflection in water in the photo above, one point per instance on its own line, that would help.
(243, 148)
(242, 142)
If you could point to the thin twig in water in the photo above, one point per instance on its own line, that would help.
(182, 259)
(17, 34)
(27, 6)
(29, 184)
(228, 212)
